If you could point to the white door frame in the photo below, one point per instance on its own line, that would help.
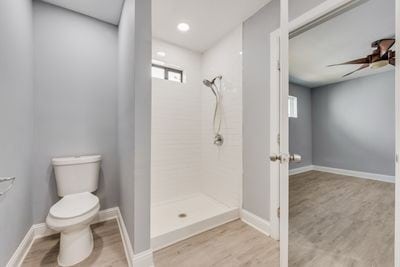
(279, 90)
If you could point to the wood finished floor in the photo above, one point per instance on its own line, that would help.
(108, 249)
(340, 221)
(335, 220)
(234, 244)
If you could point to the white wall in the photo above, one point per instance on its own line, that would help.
(222, 166)
(176, 126)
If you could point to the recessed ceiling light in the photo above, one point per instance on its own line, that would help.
(183, 27)
(161, 54)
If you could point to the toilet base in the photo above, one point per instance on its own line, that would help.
(75, 246)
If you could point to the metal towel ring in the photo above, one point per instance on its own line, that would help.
(7, 179)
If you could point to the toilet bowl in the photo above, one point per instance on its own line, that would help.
(72, 215)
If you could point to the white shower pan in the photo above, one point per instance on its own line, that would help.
(178, 219)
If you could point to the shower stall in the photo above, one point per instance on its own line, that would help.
(196, 139)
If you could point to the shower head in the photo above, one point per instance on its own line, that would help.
(208, 83)
(212, 82)
(211, 86)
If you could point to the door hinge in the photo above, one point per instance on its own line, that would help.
(278, 65)
(279, 212)
(278, 139)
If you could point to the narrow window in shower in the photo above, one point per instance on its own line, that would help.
(166, 73)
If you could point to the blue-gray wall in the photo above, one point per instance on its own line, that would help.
(75, 81)
(300, 128)
(134, 120)
(16, 120)
(142, 192)
(126, 113)
(353, 124)
(256, 60)
(256, 55)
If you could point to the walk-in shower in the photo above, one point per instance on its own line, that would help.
(196, 174)
(217, 119)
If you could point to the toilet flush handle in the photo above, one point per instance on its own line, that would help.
(10, 180)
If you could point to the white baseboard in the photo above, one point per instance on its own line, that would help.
(22, 250)
(256, 222)
(301, 170)
(143, 259)
(125, 239)
(358, 174)
(41, 230)
(365, 175)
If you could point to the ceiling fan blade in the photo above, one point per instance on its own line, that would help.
(360, 68)
(384, 45)
(355, 61)
(392, 61)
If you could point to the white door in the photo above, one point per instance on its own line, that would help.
(279, 150)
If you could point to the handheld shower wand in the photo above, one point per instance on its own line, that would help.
(218, 139)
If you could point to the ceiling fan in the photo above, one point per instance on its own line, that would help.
(380, 57)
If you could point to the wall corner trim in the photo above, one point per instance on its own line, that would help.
(256, 222)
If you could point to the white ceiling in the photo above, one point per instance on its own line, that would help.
(343, 38)
(209, 20)
(104, 10)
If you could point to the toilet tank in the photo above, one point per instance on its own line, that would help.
(76, 174)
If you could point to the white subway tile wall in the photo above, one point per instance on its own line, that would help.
(184, 159)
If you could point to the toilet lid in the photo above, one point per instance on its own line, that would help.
(74, 205)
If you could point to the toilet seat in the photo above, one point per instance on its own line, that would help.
(74, 205)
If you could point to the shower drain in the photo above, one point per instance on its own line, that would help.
(182, 215)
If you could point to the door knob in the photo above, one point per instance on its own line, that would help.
(294, 158)
(275, 157)
(291, 157)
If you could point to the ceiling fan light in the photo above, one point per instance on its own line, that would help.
(379, 64)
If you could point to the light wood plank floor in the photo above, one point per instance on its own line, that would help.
(340, 221)
(108, 248)
(234, 244)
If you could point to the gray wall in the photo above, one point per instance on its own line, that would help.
(142, 118)
(256, 46)
(75, 84)
(16, 120)
(354, 124)
(134, 120)
(300, 128)
(256, 60)
(126, 113)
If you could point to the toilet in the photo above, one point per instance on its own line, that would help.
(76, 178)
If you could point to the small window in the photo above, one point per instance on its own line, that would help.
(167, 73)
(292, 107)
(157, 72)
